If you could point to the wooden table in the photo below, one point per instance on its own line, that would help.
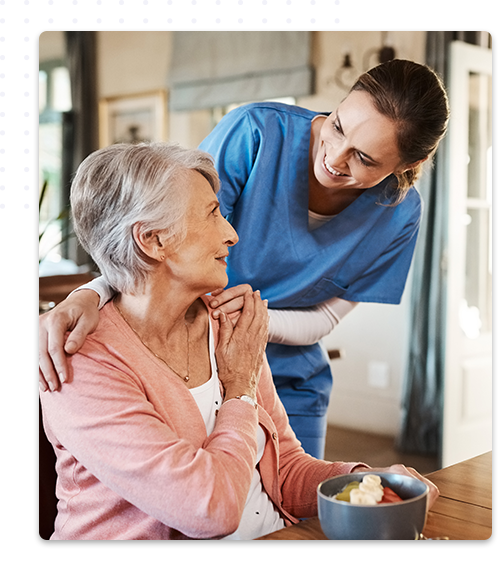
(463, 511)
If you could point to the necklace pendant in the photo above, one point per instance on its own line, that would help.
(186, 379)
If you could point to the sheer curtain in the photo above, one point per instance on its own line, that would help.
(421, 429)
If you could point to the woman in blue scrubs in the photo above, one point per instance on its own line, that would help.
(362, 254)
(327, 216)
(357, 169)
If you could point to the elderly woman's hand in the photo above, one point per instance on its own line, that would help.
(229, 301)
(411, 472)
(240, 349)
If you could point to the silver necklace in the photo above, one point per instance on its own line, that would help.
(184, 378)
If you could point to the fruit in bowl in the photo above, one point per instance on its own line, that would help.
(372, 517)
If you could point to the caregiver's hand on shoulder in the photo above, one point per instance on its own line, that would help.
(78, 314)
(411, 472)
(241, 347)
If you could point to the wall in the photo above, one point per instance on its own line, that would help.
(133, 62)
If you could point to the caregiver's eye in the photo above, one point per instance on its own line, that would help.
(364, 161)
(337, 127)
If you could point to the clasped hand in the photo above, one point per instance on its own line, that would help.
(241, 345)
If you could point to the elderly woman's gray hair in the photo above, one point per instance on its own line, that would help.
(124, 184)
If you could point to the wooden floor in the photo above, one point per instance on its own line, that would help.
(375, 450)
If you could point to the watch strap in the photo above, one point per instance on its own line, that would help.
(248, 399)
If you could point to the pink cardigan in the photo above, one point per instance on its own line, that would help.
(134, 460)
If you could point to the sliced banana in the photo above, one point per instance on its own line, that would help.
(371, 478)
(369, 492)
(373, 491)
(359, 497)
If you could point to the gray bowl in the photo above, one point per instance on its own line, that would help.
(404, 520)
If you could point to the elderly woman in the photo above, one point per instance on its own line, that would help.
(171, 427)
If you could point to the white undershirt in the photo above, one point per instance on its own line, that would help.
(306, 326)
(317, 220)
(260, 517)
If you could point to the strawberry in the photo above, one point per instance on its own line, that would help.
(390, 496)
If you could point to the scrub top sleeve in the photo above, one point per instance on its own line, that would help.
(233, 143)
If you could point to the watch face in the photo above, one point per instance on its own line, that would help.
(248, 399)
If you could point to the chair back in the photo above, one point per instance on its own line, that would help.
(47, 500)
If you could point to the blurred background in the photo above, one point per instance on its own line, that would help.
(412, 383)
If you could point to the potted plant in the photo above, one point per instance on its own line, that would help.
(62, 216)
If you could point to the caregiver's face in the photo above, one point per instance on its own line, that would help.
(357, 146)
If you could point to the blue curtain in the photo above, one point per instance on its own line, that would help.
(421, 429)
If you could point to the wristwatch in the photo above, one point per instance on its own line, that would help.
(248, 399)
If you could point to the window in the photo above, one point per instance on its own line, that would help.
(54, 100)
(477, 304)
(217, 113)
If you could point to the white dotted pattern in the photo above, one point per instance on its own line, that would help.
(301, 12)
(17, 81)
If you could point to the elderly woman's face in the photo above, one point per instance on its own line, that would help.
(199, 262)
(357, 146)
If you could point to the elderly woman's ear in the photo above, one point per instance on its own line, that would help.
(149, 241)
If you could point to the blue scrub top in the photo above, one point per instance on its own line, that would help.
(363, 254)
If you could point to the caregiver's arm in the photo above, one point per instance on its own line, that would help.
(302, 326)
(101, 287)
(79, 315)
(306, 326)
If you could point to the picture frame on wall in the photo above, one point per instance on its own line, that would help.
(133, 118)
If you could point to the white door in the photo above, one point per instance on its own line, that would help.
(467, 420)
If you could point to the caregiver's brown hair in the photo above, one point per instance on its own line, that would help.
(414, 98)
